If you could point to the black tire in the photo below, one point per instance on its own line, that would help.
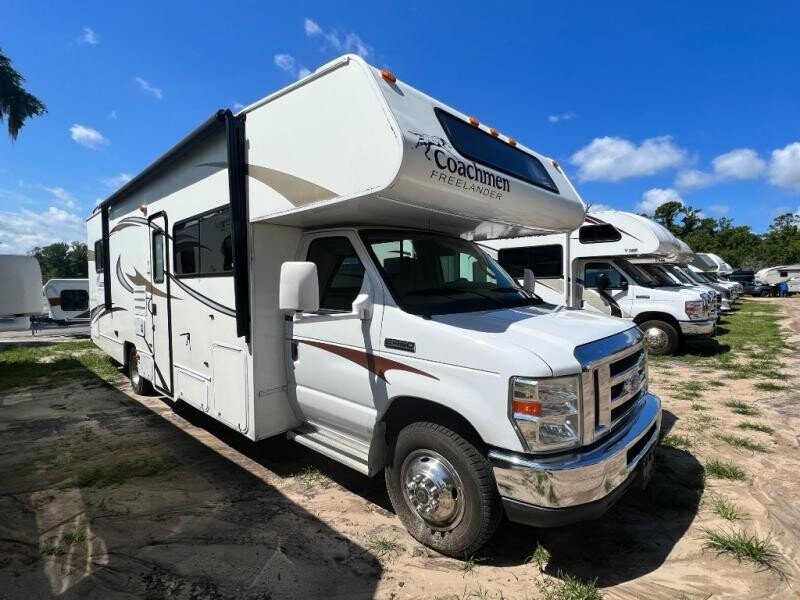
(480, 509)
(671, 340)
(139, 384)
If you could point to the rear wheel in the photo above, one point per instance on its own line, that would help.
(139, 384)
(443, 489)
(660, 337)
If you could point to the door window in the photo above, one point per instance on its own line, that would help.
(158, 257)
(339, 270)
(594, 269)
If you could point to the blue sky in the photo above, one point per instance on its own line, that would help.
(640, 102)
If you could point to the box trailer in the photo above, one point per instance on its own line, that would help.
(308, 268)
(20, 291)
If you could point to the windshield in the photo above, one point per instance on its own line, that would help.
(431, 274)
(657, 273)
(677, 272)
(635, 273)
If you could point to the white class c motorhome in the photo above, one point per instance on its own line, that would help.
(716, 270)
(306, 268)
(591, 268)
(67, 300)
(20, 291)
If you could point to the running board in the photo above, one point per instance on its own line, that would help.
(339, 448)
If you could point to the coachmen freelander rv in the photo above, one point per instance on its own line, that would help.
(306, 268)
(596, 259)
(20, 291)
(67, 300)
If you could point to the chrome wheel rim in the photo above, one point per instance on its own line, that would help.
(656, 339)
(433, 489)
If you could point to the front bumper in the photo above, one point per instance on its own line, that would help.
(697, 328)
(583, 485)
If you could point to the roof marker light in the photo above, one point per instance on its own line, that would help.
(474, 122)
(494, 132)
(555, 163)
(512, 141)
(388, 76)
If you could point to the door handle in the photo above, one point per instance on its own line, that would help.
(153, 308)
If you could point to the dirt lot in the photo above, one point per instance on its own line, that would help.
(106, 494)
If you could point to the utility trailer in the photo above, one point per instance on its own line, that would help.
(20, 291)
(308, 268)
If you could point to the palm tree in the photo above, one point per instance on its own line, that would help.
(16, 104)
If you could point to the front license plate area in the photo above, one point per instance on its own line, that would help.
(647, 466)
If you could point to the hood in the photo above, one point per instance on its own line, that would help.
(548, 332)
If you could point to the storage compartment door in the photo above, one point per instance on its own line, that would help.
(230, 385)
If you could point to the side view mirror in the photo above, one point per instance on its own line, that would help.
(603, 282)
(623, 284)
(528, 281)
(363, 304)
(299, 287)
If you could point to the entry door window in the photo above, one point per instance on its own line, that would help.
(593, 270)
(340, 273)
(158, 257)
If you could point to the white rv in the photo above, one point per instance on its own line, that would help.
(20, 291)
(67, 300)
(595, 261)
(775, 275)
(716, 270)
(306, 268)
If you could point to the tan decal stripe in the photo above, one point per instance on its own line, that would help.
(375, 364)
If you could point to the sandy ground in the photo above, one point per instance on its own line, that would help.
(105, 494)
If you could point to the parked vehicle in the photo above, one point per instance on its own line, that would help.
(305, 268)
(748, 283)
(596, 258)
(715, 269)
(20, 291)
(67, 300)
(772, 276)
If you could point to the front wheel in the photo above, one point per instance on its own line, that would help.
(443, 489)
(660, 337)
(139, 384)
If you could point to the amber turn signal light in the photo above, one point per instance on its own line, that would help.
(529, 409)
(388, 76)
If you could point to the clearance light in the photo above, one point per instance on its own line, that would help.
(512, 141)
(555, 163)
(143, 209)
(474, 122)
(494, 132)
(388, 76)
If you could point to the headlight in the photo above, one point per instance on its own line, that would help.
(547, 411)
(694, 308)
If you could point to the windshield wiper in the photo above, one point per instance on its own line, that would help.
(434, 291)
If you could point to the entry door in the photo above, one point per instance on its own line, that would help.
(158, 303)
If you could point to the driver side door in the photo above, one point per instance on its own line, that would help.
(613, 301)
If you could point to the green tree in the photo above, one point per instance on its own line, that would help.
(782, 240)
(16, 104)
(62, 260)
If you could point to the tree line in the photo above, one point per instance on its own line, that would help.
(62, 261)
(737, 244)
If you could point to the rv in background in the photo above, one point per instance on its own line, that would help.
(67, 300)
(304, 268)
(774, 275)
(592, 268)
(20, 291)
(716, 271)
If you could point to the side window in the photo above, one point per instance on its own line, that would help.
(595, 234)
(339, 270)
(99, 254)
(594, 269)
(203, 245)
(783, 273)
(544, 261)
(74, 300)
(158, 257)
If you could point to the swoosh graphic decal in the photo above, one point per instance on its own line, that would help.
(204, 299)
(135, 222)
(375, 364)
(139, 279)
(121, 276)
(103, 311)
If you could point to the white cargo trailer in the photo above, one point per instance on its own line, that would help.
(20, 291)
(67, 300)
(307, 268)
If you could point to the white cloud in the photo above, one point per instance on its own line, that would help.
(739, 164)
(88, 37)
(614, 159)
(237, 106)
(285, 62)
(784, 167)
(655, 197)
(146, 87)
(562, 117)
(22, 230)
(719, 209)
(303, 72)
(63, 196)
(593, 208)
(116, 182)
(350, 42)
(86, 136)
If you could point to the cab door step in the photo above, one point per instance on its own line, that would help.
(333, 445)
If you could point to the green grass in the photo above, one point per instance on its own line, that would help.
(567, 587)
(119, 473)
(49, 364)
(745, 547)
(78, 536)
(724, 470)
(699, 407)
(383, 546)
(676, 441)
(740, 408)
(756, 427)
(540, 557)
(312, 477)
(726, 509)
(742, 443)
(768, 386)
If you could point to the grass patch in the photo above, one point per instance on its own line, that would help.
(567, 587)
(724, 470)
(119, 473)
(383, 546)
(745, 547)
(676, 441)
(47, 364)
(78, 536)
(768, 386)
(726, 509)
(756, 427)
(740, 408)
(742, 443)
(699, 407)
(540, 557)
(312, 477)
(716, 383)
